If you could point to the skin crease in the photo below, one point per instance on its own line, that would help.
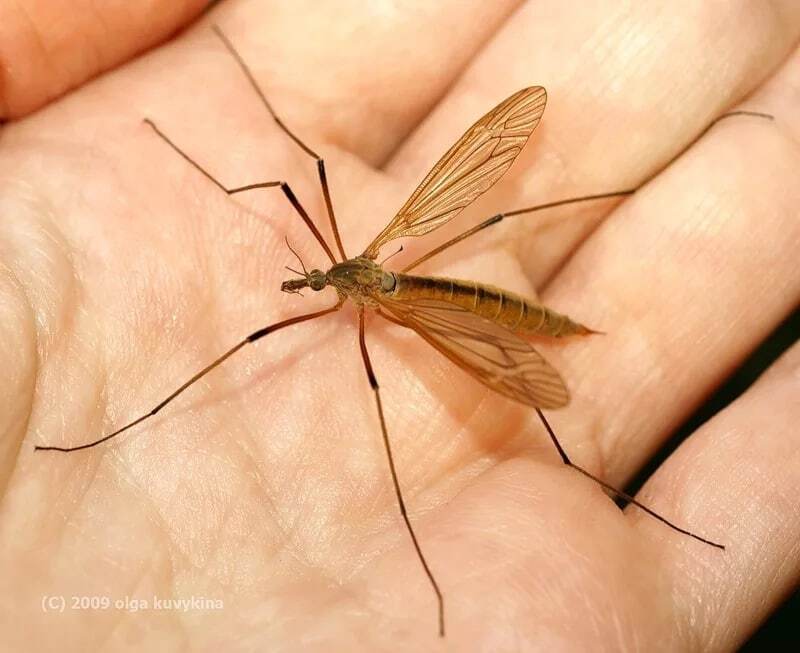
(123, 271)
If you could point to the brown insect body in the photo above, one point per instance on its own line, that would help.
(503, 307)
(367, 283)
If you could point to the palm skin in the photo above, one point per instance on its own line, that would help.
(265, 487)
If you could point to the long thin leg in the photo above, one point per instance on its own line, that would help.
(251, 338)
(566, 460)
(373, 382)
(287, 191)
(500, 216)
(574, 200)
(323, 177)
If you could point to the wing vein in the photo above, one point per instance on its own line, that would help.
(496, 357)
(468, 169)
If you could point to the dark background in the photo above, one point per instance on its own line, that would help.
(782, 631)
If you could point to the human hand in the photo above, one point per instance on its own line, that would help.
(265, 486)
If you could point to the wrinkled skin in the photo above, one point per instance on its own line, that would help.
(265, 487)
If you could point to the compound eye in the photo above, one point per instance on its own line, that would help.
(317, 280)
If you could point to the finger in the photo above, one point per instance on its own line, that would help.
(627, 88)
(738, 477)
(47, 48)
(369, 74)
(18, 358)
(686, 280)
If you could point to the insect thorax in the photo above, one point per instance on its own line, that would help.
(360, 279)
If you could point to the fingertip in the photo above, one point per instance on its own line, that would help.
(46, 49)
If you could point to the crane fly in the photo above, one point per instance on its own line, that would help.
(481, 328)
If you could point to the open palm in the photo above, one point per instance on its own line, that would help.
(262, 495)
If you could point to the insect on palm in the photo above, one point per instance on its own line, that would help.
(484, 330)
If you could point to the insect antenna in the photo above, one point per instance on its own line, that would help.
(297, 256)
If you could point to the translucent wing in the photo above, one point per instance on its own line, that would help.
(496, 357)
(469, 168)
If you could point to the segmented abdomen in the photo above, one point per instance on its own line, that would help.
(502, 307)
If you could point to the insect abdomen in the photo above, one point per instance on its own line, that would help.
(502, 307)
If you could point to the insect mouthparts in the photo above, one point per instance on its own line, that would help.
(294, 285)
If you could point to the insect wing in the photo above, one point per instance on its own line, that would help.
(469, 168)
(499, 359)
